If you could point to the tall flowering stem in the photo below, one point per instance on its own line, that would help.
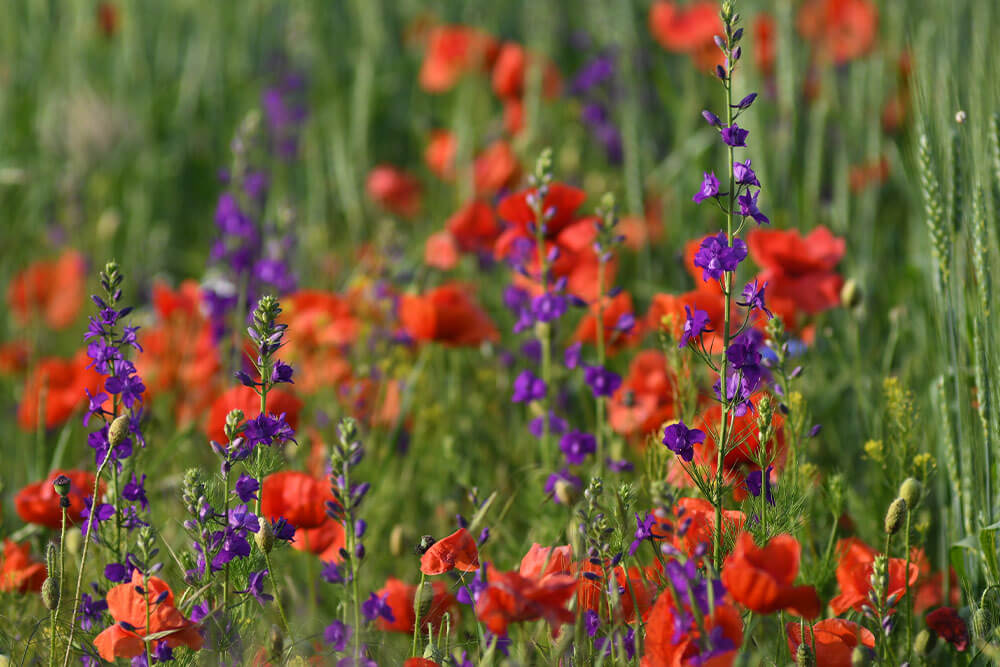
(541, 180)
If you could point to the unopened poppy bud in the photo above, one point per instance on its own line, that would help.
(422, 599)
(118, 430)
(50, 593)
(923, 643)
(981, 624)
(895, 516)
(566, 492)
(804, 656)
(858, 657)
(277, 643)
(61, 485)
(265, 537)
(850, 294)
(910, 491)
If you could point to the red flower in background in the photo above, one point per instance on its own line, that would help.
(458, 551)
(474, 227)
(799, 269)
(619, 325)
(761, 579)
(297, 497)
(949, 626)
(279, 401)
(509, 73)
(705, 298)
(512, 598)
(646, 398)
(18, 572)
(592, 591)
(394, 190)
(697, 516)
(688, 29)
(453, 51)
(400, 597)
(834, 640)
(108, 19)
(131, 604)
(541, 562)
(495, 168)
(50, 290)
(513, 116)
(764, 32)
(38, 503)
(440, 154)
(448, 315)
(854, 570)
(672, 639)
(56, 389)
(441, 251)
(840, 30)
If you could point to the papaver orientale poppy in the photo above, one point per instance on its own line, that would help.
(458, 551)
(761, 579)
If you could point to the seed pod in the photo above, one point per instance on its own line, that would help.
(422, 600)
(804, 656)
(118, 430)
(265, 537)
(895, 516)
(910, 491)
(61, 484)
(50, 593)
(923, 644)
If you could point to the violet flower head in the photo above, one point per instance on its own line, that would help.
(602, 382)
(748, 207)
(247, 487)
(548, 307)
(734, 136)
(695, 324)
(528, 387)
(715, 256)
(255, 587)
(709, 188)
(563, 476)
(744, 173)
(337, 634)
(571, 358)
(753, 297)
(756, 480)
(375, 607)
(557, 425)
(577, 445)
(681, 440)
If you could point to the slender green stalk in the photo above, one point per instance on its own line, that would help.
(59, 585)
(599, 400)
(416, 609)
(145, 595)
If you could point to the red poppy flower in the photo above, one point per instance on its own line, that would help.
(512, 598)
(326, 540)
(448, 315)
(764, 31)
(562, 200)
(673, 640)
(613, 311)
(279, 401)
(18, 572)
(646, 398)
(297, 497)
(513, 116)
(495, 168)
(395, 190)
(52, 290)
(688, 29)
(638, 589)
(441, 251)
(419, 662)
(761, 579)
(929, 591)
(949, 626)
(799, 269)
(854, 570)
(440, 154)
(870, 173)
(400, 597)
(453, 51)
(131, 608)
(705, 298)
(840, 30)
(474, 227)
(640, 230)
(56, 389)
(509, 71)
(834, 640)
(38, 503)
(108, 19)
(13, 358)
(695, 524)
(541, 562)
(458, 551)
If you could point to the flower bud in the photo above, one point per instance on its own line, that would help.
(804, 656)
(858, 657)
(850, 294)
(422, 599)
(118, 430)
(566, 492)
(910, 491)
(924, 642)
(61, 484)
(265, 537)
(50, 593)
(895, 516)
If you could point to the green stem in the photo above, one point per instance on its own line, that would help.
(906, 593)
(543, 331)
(416, 607)
(145, 642)
(59, 587)
(277, 597)
(599, 429)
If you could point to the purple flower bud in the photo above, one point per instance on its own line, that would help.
(711, 118)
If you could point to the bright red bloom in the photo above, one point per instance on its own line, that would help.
(51, 290)
(613, 310)
(108, 19)
(296, 496)
(441, 251)
(18, 572)
(840, 30)
(57, 387)
(705, 297)
(513, 116)
(440, 153)
(495, 168)
(419, 662)
(761, 579)
(688, 29)
(448, 315)
(562, 200)
(395, 190)
(509, 72)
(799, 269)
(949, 626)
(13, 358)
(646, 398)
(541, 562)
(854, 570)
(512, 598)
(591, 593)
(695, 518)
(279, 401)
(474, 227)
(400, 597)
(458, 551)
(325, 541)
(764, 31)
(672, 640)
(639, 230)
(451, 52)
(129, 607)
(38, 503)
(834, 639)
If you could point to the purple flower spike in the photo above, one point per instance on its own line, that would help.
(576, 445)
(694, 326)
(748, 207)
(681, 440)
(709, 188)
(528, 387)
(744, 174)
(716, 256)
(735, 136)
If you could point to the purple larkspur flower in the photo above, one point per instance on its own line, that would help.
(93, 520)
(748, 207)
(565, 476)
(571, 358)
(376, 606)
(255, 587)
(576, 445)
(695, 324)
(753, 297)
(135, 492)
(745, 174)
(681, 440)
(591, 622)
(528, 387)
(602, 382)
(755, 480)
(709, 188)
(715, 256)
(734, 136)
(557, 425)
(247, 487)
(337, 634)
